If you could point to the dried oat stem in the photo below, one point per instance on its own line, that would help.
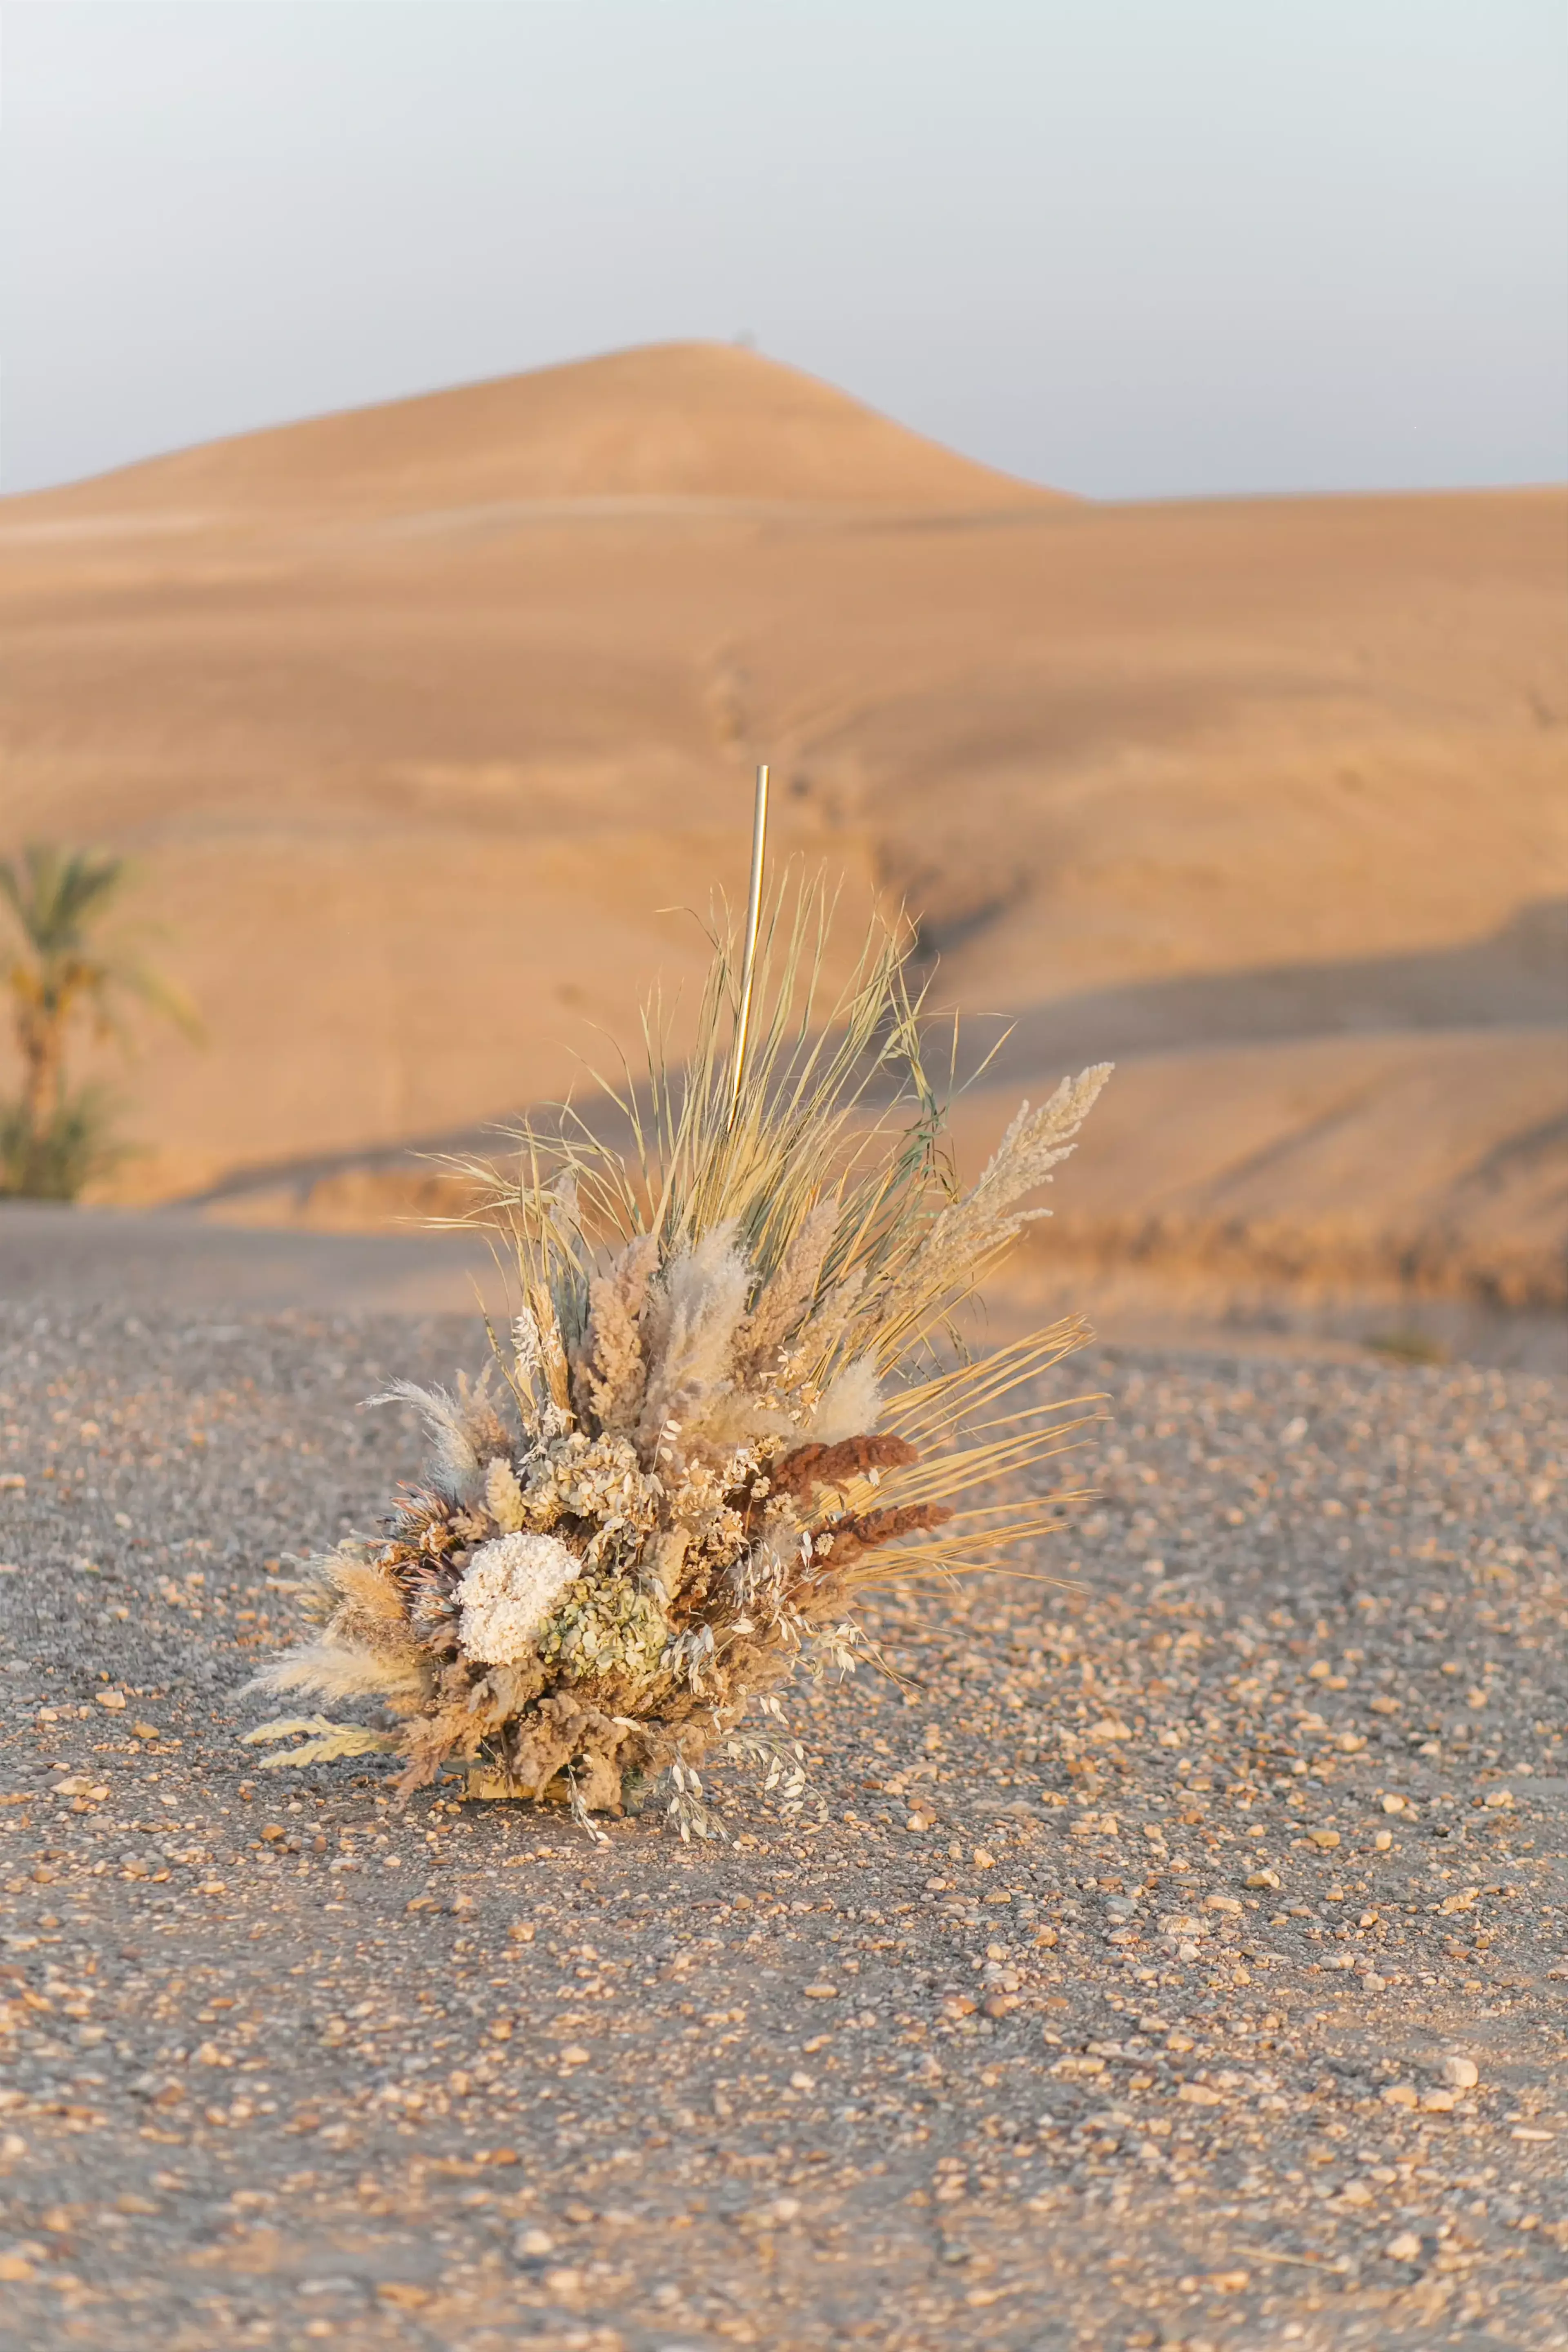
(753, 913)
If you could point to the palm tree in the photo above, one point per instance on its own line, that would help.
(52, 1141)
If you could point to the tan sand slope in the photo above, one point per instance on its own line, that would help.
(670, 421)
(417, 718)
(1417, 1165)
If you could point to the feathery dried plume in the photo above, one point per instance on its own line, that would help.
(729, 1409)
(851, 1402)
(613, 1372)
(465, 1430)
(786, 1298)
(693, 1312)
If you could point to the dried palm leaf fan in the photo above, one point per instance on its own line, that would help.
(728, 1405)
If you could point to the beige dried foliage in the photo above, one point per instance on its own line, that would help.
(734, 1395)
(786, 1298)
(693, 1312)
(614, 1371)
(324, 1741)
(503, 1496)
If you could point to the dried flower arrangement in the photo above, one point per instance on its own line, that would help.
(727, 1405)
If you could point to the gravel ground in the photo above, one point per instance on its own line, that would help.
(1175, 1954)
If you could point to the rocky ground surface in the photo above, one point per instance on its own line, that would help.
(1175, 1954)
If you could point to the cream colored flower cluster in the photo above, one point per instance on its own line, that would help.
(507, 1590)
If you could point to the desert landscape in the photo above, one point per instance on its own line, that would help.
(723, 1631)
(1160, 1940)
(424, 722)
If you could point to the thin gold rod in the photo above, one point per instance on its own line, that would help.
(754, 917)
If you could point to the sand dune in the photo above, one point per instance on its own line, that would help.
(673, 422)
(418, 717)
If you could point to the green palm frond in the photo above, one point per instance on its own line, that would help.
(55, 893)
(61, 971)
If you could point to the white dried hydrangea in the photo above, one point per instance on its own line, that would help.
(509, 1589)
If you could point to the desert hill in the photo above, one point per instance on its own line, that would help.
(421, 719)
(670, 421)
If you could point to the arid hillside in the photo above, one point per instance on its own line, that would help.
(672, 422)
(420, 721)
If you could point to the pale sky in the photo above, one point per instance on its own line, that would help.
(1134, 247)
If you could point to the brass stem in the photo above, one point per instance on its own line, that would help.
(754, 917)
